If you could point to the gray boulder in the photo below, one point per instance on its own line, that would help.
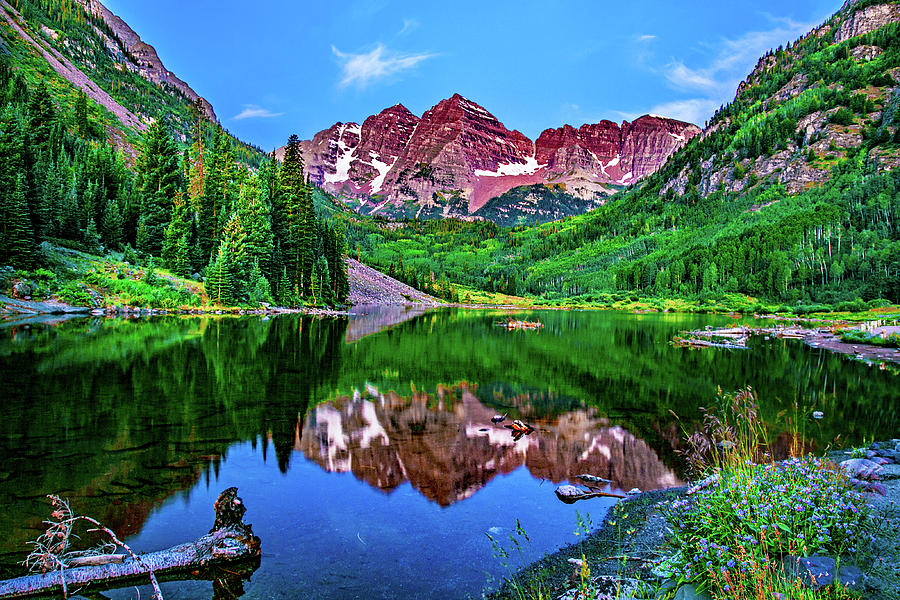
(23, 288)
(861, 468)
(819, 571)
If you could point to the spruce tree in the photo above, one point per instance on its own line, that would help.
(260, 290)
(292, 189)
(82, 122)
(197, 168)
(306, 238)
(41, 115)
(255, 218)
(112, 224)
(212, 202)
(219, 279)
(159, 174)
(16, 239)
(232, 244)
(174, 249)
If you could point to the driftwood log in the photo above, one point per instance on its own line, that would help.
(229, 541)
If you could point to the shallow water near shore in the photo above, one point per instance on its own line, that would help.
(363, 447)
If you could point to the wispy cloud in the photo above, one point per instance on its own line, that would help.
(252, 111)
(409, 25)
(363, 69)
(694, 110)
(713, 82)
(646, 37)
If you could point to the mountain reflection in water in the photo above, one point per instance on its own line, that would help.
(446, 446)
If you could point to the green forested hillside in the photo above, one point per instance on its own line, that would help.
(792, 194)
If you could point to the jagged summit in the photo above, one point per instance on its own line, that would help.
(458, 156)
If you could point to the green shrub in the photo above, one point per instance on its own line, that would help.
(806, 309)
(75, 293)
(129, 256)
(858, 336)
(857, 305)
(879, 303)
(843, 116)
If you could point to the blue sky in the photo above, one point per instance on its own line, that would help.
(293, 66)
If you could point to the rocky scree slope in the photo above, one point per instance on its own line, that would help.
(138, 56)
(458, 156)
(368, 286)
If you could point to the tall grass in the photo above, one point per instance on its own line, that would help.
(729, 538)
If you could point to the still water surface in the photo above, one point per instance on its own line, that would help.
(363, 447)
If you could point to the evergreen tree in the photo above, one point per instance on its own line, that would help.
(112, 224)
(212, 202)
(16, 239)
(92, 237)
(232, 247)
(306, 238)
(219, 280)
(82, 123)
(292, 189)
(41, 115)
(256, 220)
(286, 294)
(260, 290)
(175, 244)
(158, 175)
(322, 291)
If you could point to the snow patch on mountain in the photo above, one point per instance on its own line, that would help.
(529, 167)
(383, 169)
(345, 157)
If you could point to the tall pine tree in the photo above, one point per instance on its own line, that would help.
(16, 239)
(158, 172)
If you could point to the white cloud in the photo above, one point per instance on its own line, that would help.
(694, 110)
(252, 111)
(409, 25)
(732, 59)
(363, 69)
(646, 37)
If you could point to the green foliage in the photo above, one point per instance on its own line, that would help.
(74, 293)
(158, 182)
(843, 116)
(858, 336)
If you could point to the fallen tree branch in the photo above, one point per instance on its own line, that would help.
(96, 560)
(230, 540)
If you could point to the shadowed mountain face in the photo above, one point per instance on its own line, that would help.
(447, 447)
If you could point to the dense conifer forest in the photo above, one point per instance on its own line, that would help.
(253, 233)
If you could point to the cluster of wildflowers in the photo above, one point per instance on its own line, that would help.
(754, 514)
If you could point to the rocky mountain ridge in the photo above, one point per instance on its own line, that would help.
(458, 156)
(136, 55)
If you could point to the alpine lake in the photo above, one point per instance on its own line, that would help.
(363, 446)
